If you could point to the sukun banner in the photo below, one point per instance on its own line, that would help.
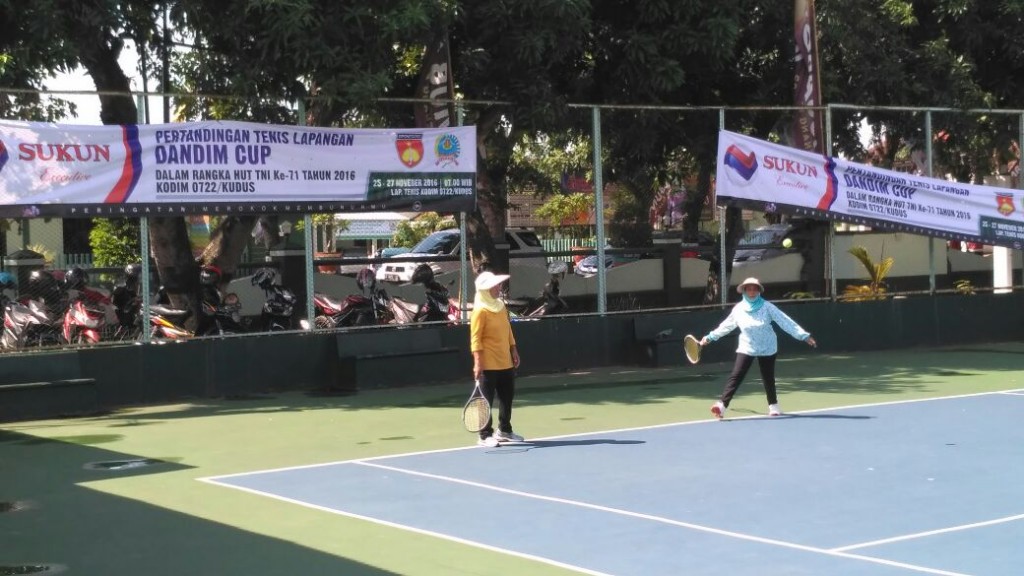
(764, 176)
(231, 167)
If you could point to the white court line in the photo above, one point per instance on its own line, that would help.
(407, 528)
(604, 432)
(1013, 393)
(930, 533)
(668, 521)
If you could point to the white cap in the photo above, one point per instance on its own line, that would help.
(750, 282)
(488, 280)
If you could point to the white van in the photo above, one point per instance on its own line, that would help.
(446, 243)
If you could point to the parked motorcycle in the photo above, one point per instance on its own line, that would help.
(34, 318)
(373, 306)
(438, 306)
(219, 313)
(89, 311)
(280, 302)
(549, 302)
(165, 322)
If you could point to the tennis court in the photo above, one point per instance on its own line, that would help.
(888, 463)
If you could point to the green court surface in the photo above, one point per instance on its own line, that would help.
(119, 494)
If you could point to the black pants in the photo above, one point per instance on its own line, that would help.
(500, 383)
(739, 371)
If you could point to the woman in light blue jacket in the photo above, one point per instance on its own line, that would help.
(754, 316)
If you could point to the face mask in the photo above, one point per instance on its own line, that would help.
(483, 299)
(753, 304)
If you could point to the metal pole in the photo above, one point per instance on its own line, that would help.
(142, 111)
(1020, 169)
(928, 165)
(602, 296)
(144, 248)
(460, 116)
(307, 236)
(166, 72)
(831, 241)
(723, 282)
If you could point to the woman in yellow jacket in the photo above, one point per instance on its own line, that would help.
(495, 357)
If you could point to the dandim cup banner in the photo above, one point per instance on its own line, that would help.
(231, 167)
(764, 176)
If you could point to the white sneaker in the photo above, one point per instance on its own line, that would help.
(489, 442)
(774, 410)
(500, 436)
(718, 409)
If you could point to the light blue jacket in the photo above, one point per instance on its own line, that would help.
(757, 336)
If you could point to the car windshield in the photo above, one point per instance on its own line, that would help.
(437, 244)
(760, 237)
(530, 240)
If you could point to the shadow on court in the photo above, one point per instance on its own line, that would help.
(88, 531)
(531, 444)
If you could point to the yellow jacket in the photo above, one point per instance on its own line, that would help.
(490, 333)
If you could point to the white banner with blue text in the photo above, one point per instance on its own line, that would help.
(760, 175)
(231, 167)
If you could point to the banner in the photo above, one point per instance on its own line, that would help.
(757, 174)
(436, 82)
(231, 167)
(807, 124)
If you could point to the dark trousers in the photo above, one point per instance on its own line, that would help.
(739, 371)
(500, 383)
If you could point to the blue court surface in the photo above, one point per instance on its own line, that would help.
(918, 487)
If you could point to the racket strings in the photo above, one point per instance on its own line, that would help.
(476, 414)
(692, 348)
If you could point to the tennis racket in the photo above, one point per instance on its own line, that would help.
(692, 348)
(477, 411)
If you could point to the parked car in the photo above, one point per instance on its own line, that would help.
(765, 243)
(525, 249)
(707, 247)
(588, 265)
(388, 253)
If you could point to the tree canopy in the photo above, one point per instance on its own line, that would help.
(520, 66)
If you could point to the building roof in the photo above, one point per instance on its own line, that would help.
(368, 230)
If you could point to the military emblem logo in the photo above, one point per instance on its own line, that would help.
(1005, 204)
(410, 148)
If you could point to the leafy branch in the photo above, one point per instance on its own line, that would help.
(875, 289)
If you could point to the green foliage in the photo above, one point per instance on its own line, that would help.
(48, 254)
(114, 241)
(570, 212)
(875, 289)
(410, 232)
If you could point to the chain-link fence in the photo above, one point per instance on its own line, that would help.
(653, 239)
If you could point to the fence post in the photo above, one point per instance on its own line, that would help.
(670, 269)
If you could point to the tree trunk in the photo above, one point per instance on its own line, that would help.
(178, 271)
(227, 243)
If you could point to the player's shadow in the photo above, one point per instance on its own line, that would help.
(788, 415)
(832, 416)
(828, 416)
(534, 444)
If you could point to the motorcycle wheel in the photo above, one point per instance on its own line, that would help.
(323, 323)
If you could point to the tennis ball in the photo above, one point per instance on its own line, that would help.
(787, 243)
